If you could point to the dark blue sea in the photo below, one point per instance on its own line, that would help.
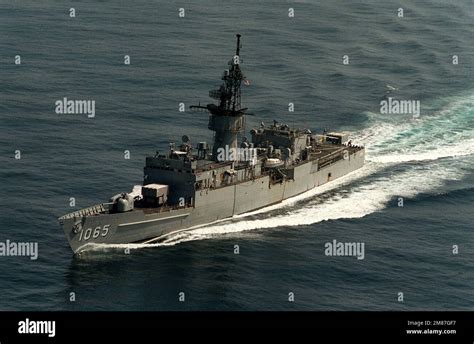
(426, 161)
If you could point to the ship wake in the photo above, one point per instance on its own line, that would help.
(405, 157)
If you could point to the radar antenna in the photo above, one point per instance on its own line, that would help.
(229, 93)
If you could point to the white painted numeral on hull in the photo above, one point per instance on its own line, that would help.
(85, 235)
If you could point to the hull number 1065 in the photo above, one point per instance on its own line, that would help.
(94, 233)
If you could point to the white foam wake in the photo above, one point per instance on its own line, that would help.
(430, 148)
(463, 148)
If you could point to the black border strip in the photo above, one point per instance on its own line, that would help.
(120, 325)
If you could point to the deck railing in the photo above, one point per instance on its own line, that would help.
(94, 210)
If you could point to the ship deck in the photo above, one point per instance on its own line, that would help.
(326, 150)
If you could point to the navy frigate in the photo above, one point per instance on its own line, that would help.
(190, 186)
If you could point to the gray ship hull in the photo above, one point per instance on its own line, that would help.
(211, 204)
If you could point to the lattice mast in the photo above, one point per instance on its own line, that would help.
(227, 117)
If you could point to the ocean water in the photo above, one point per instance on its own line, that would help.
(427, 161)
